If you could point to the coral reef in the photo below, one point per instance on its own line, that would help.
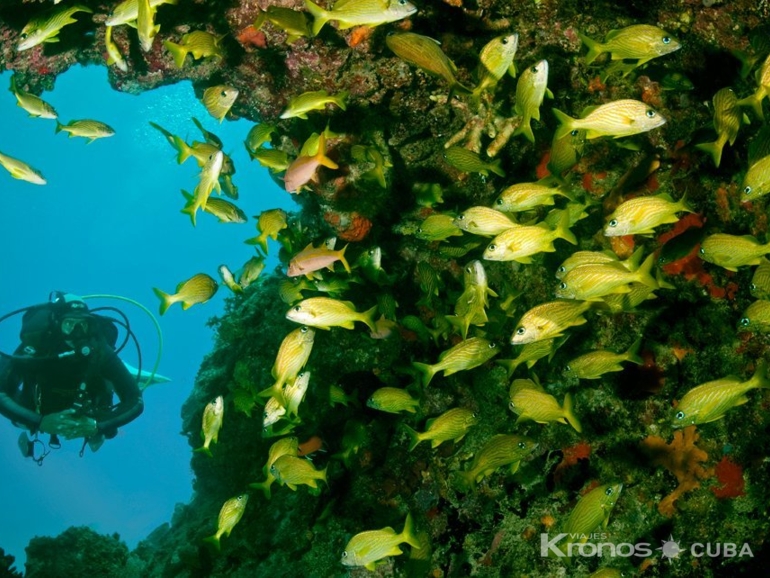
(380, 196)
(77, 552)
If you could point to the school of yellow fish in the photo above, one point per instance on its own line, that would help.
(587, 283)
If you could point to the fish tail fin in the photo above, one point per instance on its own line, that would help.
(321, 154)
(178, 52)
(322, 477)
(12, 87)
(426, 372)
(632, 354)
(264, 486)
(275, 390)
(496, 168)
(644, 273)
(566, 124)
(569, 414)
(562, 230)
(214, 541)
(467, 479)
(59, 127)
(184, 149)
(525, 128)
(341, 98)
(166, 300)
(189, 208)
(368, 318)
(760, 379)
(714, 149)
(594, 48)
(260, 241)
(683, 206)
(341, 255)
(462, 323)
(408, 535)
(414, 437)
(510, 365)
(204, 450)
(320, 16)
(755, 102)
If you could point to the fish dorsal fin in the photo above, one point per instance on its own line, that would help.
(308, 248)
(612, 34)
(666, 197)
(588, 110)
(751, 238)
(429, 423)
(349, 304)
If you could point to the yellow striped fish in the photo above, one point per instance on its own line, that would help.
(548, 320)
(21, 170)
(450, 425)
(197, 289)
(219, 99)
(230, 514)
(90, 129)
(211, 423)
(616, 119)
(128, 11)
(349, 13)
(46, 26)
(34, 105)
(199, 43)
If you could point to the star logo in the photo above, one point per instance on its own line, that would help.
(670, 548)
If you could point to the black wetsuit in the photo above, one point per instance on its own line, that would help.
(30, 389)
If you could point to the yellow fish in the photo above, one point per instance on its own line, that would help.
(732, 251)
(593, 281)
(760, 281)
(756, 183)
(258, 136)
(128, 11)
(292, 471)
(526, 196)
(549, 320)
(393, 400)
(727, 122)
(495, 59)
(273, 412)
(300, 105)
(46, 26)
(293, 22)
(762, 77)
(113, 52)
(213, 414)
(324, 313)
(199, 43)
(219, 99)
(529, 400)
(530, 354)
(484, 221)
(469, 162)
(640, 215)
(617, 119)
(566, 152)
(470, 308)
(34, 105)
(640, 42)
(710, 401)
(596, 363)
(21, 170)
(90, 129)
(284, 446)
(425, 53)
(367, 548)
(450, 425)
(269, 224)
(223, 210)
(467, 354)
(250, 271)
(521, 243)
(291, 358)
(209, 180)
(500, 450)
(146, 29)
(580, 258)
(295, 392)
(349, 13)
(438, 227)
(531, 89)
(593, 510)
(230, 514)
(229, 279)
(756, 317)
(197, 289)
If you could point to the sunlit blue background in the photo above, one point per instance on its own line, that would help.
(108, 221)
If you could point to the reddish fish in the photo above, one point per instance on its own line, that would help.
(303, 169)
(312, 259)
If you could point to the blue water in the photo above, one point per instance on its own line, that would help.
(108, 221)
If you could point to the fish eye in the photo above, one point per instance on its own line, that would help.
(302, 329)
(403, 2)
(469, 269)
(613, 223)
(419, 229)
(702, 251)
(574, 132)
(522, 445)
(297, 309)
(504, 41)
(744, 322)
(345, 553)
(747, 190)
(650, 113)
(609, 491)
(511, 405)
(461, 217)
(562, 269)
(521, 331)
(562, 285)
(752, 287)
(492, 345)
(492, 247)
(499, 201)
(679, 415)
(534, 69)
(223, 93)
(566, 367)
(666, 40)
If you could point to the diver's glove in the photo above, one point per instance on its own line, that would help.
(68, 425)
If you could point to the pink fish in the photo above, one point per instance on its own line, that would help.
(312, 259)
(303, 169)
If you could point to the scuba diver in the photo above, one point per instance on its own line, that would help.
(61, 379)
